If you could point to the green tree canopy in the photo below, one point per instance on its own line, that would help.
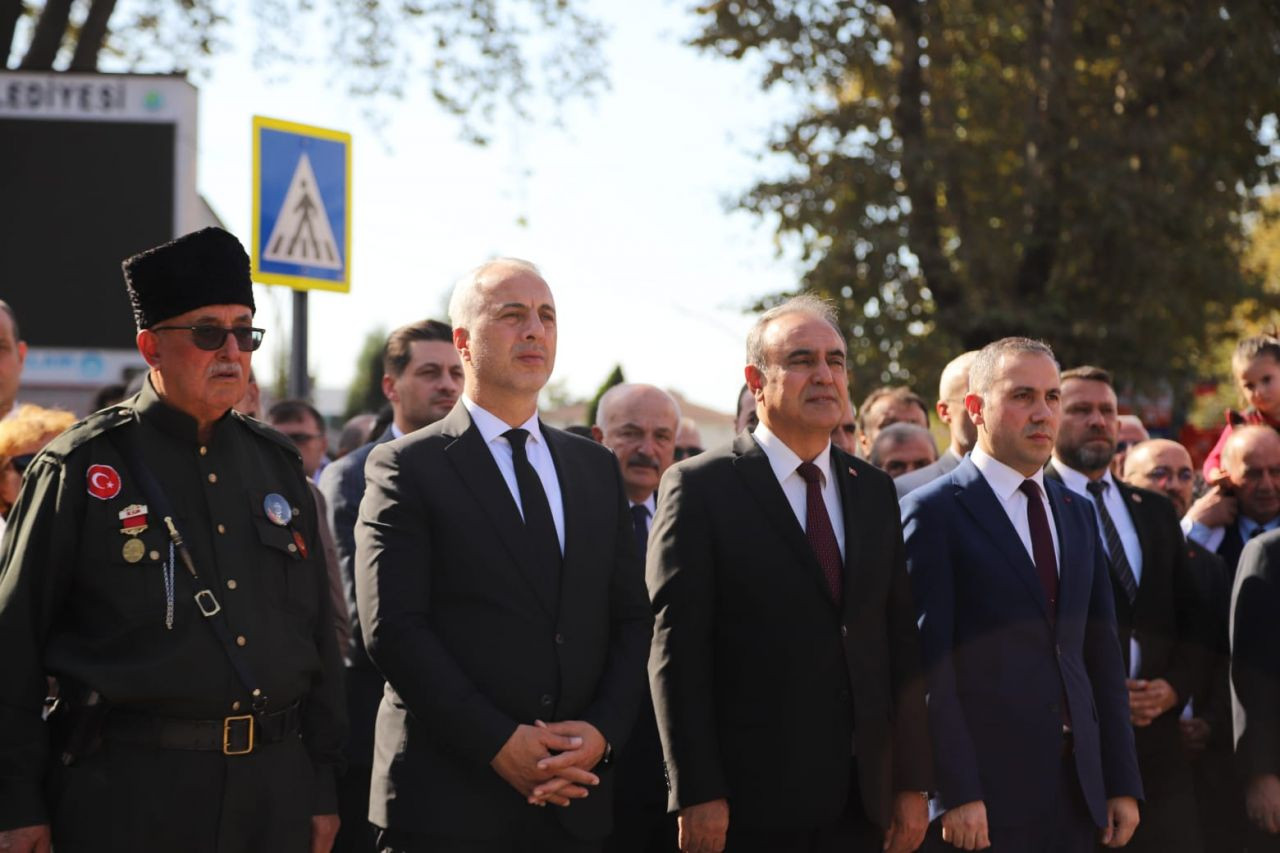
(1075, 170)
(475, 56)
(615, 377)
(365, 393)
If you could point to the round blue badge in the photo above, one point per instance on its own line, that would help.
(277, 509)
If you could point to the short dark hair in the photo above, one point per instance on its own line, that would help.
(737, 404)
(982, 372)
(397, 352)
(1090, 373)
(1259, 345)
(13, 319)
(897, 393)
(294, 410)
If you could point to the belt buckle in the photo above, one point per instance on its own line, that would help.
(227, 723)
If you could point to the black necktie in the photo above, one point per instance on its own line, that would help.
(1042, 544)
(1115, 548)
(538, 522)
(821, 535)
(640, 520)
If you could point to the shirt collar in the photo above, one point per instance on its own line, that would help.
(1004, 481)
(784, 460)
(650, 503)
(1079, 483)
(491, 426)
(152, 408)
(1248, 526)
(396, 432)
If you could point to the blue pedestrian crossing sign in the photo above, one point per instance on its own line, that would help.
(301, 206)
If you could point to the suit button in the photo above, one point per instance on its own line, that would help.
(844, 630)
(545, 700)
(559, 639)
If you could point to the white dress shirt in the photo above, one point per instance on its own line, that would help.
(535, 447)
(1210, 538)
(785, 464)
(1123, 521)
(1007, 484)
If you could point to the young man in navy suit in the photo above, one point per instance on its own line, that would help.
(1033, 749)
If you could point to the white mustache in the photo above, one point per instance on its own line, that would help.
(224, 369)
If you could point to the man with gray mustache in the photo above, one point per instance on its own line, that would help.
(639, 424)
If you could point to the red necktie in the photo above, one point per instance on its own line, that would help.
(1042, 544)
(822, 538)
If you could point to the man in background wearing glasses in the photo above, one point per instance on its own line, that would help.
(163, 564)
(1164, 466)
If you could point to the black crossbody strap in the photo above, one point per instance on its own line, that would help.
(125, 442)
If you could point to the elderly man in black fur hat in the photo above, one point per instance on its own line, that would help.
(162, 566)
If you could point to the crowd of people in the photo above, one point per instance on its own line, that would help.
(460, 629)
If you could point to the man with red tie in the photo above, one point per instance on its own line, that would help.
(1028, 708)
(786, 660)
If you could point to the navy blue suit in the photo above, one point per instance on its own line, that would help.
(998, 666)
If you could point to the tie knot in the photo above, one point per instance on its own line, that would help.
(639, 512)
(810, 473)
(1097, 487)
(517, 438)
(1030, 488)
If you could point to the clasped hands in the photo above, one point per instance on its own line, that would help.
(1148, 699)
(551, 762)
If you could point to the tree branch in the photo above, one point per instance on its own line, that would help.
(10, 12)
(92, 35)
(47, 39)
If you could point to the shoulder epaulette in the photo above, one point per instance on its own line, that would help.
(267, 432)
(90, 428)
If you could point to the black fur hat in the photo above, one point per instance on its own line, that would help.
(206, 267)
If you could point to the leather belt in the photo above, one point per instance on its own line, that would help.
(237, 735)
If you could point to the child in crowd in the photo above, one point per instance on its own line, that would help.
(1256, 368)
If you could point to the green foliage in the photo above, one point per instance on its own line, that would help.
(365, 393)
(614, 378)
(1079, 171)
(475, 57)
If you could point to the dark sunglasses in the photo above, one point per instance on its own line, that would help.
(211, 338)
(687, 451)
(20, 463)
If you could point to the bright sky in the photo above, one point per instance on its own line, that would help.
(625, 208)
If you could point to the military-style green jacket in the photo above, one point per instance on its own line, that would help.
(80, 603)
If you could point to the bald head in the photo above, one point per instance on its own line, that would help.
(1251, 458)
(639, 424)
(952, 388)
(1162, 466)
(468, 294)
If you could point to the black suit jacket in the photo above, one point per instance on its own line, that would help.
(762, 686)
(468, 640)
(1255, 656)
(1169, 623)
(342, 484)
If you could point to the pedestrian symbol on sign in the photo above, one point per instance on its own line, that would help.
(302, 233)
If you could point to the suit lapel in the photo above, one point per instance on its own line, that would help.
(753, 466)
(982, 504)
(846, 476)
(1069, 580)
(1137, 514)
(574, 500)
(476, 467)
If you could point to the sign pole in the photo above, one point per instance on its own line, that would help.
(298, 379)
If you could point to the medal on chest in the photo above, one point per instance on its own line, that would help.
(133, 520)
